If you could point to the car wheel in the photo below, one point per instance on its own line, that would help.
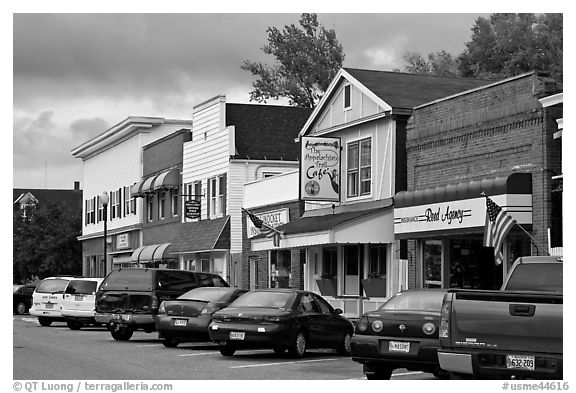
(279, 350)
(227, 350)
(43, 321)
(298, 347)
(74, 325)
(345, 348)
(378, 373)
(441, 374)
(148, 329)
(170, 343)
(20, 308)
(122, 333)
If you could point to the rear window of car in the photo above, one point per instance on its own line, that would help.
(209, 280)
(415, 301)
(544, 277)
(209, 294)
(55, 285)
(263, 299)
(128, 280)
(81, 287)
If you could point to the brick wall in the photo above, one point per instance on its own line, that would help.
(491, 132)
(165, 153)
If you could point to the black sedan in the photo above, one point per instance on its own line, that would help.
(187, 317)
(402, 333)
(280, 319)
(22, 297)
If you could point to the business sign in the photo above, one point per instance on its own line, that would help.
(271, 218)
(192, 209)
(320, 169)
(122, 241)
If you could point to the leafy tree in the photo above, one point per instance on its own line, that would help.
(501, 46)
(45, 243)
(307, 59)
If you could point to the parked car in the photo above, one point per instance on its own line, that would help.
(514, 332)
(280, 319)
(402, 333)
(187, 317)
(78, 305)
(47, 299)
(22, 298)
(128, 299)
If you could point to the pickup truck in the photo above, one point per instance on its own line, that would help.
(514, 332)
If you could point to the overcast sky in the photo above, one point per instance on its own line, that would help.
(75, 75)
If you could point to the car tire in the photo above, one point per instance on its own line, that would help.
(441, 374)
(345, 348)
(122, 333)
(74, 325)
(298, 347)
(20, 308)
(378, 373)
(43, 321)
(227, 350)
(170, 343)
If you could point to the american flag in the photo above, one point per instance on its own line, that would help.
(498, 224)
(265, 228)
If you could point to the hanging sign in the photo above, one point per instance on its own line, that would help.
(192, 209)
(320, 169)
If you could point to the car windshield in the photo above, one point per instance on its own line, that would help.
(263, 299)
(209, 294)
(82, 287)
(415, 301)
(55, 285)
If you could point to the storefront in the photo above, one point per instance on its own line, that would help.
(445, 229)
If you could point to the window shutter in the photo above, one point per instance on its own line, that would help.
(119, 200)
(224, 193)
(97, 207)
(94, 211)
(86, 212)
(208, 195)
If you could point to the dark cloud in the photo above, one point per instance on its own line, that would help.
(86, 129)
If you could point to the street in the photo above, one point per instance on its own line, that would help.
(58, 353)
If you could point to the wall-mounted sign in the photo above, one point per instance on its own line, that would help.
(122, 241)
(320, 169)
(192, 209)
(272, 218)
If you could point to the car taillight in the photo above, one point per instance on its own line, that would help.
(377, 326)
(209, 309)
(161, 309)
(429, 328)
(444, 329)
(154, 304)
(362, 324)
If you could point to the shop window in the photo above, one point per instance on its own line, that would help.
(432, 252)
(329, 262)
(377, 258)
(359, 167)
(205, 265)
(280, 268)
(352, 257)
(472, 265)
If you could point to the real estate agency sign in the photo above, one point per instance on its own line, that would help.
(320, 169)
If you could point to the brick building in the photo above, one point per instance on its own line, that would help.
(496, 139)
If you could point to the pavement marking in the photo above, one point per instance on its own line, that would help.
(279, 363)
(198, 354)
(29, 319)
(148, 345)
(407, 373)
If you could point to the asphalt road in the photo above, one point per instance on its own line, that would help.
(58, 353)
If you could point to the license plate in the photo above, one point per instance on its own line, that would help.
(122, 317)
(520, 362)
(49, 306)
(78, 298)
(237, 335)
(180, 322)
(399, 346)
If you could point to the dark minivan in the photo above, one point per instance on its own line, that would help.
(128, 298)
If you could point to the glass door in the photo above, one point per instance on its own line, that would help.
(432, 263)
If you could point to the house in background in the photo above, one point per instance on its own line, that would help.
(351, 256)
(112, 164)
(27, 199)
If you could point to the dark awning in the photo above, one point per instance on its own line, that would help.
(163, 181)
(151, 253)
(516, 183)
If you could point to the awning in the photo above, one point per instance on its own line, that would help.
(163, 181)
(151, 253)
(372, 225)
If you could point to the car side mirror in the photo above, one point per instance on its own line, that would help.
(338, 311)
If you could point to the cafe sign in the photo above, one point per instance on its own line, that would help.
(320, 169)
(271, 218)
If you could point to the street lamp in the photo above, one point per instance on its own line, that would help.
(104, 199)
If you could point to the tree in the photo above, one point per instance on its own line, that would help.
(46, 244)
(307, 59)
(501, 46)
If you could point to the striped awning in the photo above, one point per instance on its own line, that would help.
(163, 181)
(151, 253)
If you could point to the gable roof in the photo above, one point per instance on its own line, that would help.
(70, 198)
(266, 132)
(398, 92)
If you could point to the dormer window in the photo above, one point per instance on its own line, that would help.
(347, 98)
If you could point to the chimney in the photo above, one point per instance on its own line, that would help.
(76, 186)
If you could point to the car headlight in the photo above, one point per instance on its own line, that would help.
(377, 326)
